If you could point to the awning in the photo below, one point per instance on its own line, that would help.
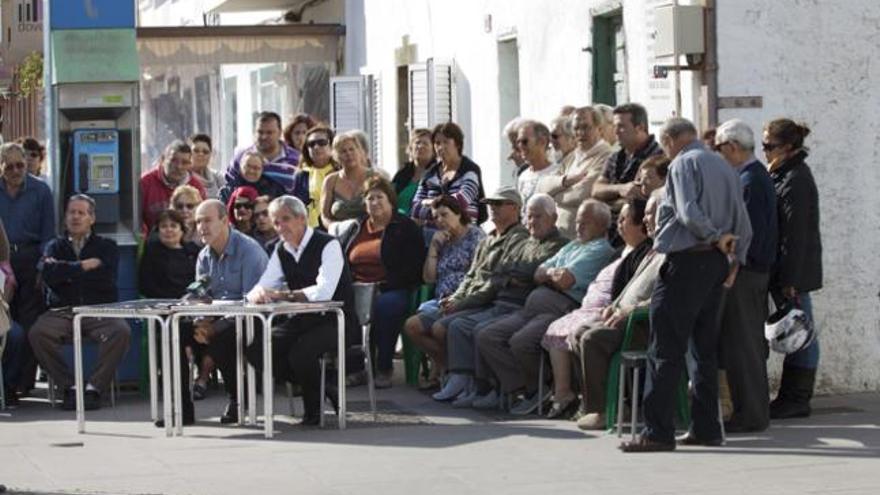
(219, 6)
(239, 44)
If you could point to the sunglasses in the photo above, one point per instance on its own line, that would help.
(260, 214)
(770, 146)
(185, 206)
(33, 154)
(244, 206)
(717, 147)
(317, 142)
(554, 135)
(16, 165)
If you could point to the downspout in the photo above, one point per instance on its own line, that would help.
(710, 69)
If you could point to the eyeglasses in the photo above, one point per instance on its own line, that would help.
(185, 206)
(317, 142)
(15, 165)
(770, 146)
(717, 147)
(201, 151)
(522, 142)
(554, 135)
(259, 214)
(244, 206)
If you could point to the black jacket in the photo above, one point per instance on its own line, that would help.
(799, 260)
(65, 281)
(402, 251)
(164, 272)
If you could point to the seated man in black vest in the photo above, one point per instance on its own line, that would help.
(307, 265)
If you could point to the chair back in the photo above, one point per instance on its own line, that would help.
(364, 296)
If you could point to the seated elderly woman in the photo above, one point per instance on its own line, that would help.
(184, 200)
(607, 285)
(251, 175)
(342, 195)
(386, 248)
(240, 209)
(652, 175)
(449, 256)
(511, 346)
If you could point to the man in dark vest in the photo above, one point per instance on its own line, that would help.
(307, 265)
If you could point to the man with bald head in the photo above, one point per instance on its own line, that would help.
(230, 265)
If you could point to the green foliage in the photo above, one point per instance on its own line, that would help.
(30, 74)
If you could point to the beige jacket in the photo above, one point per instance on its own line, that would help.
(568, 199)
(637, 293)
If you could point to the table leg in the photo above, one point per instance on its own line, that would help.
(166, 377)
(78, 372)
(239, 371)
(251, 376)
(340, 384)
(268, 382)
(178, 375)
(151, 354)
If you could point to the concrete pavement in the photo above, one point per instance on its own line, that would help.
(420, 446)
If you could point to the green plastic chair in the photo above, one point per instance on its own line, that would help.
(414, 360)
(612, 390)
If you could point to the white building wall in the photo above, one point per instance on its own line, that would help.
(554, 68)
(818, 63)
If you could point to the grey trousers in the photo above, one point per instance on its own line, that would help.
(595, 348)
(54, 329)
(743, 349)
(461, 331)
(511, 346)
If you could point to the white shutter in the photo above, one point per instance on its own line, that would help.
(373, 85)
(346, 103)
(418, 96)
(440, 78)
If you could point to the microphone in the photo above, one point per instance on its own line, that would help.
(199, 290)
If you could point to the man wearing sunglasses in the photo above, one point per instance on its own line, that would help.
(26, 209)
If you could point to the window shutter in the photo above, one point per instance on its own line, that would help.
(418, 96)
(440, 77)
(373, 85)
(346, 103)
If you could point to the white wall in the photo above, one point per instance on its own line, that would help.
(554, 68)
(819, 63)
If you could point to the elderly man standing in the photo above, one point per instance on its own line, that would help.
(280, 159)
(159, 184)
(572, 184)
(231, 263)
(701, 221)
(511, 346)
(307, 265)
(28, 215)
(510, 285)
(532, 141)
(79, 268)
(743, 348)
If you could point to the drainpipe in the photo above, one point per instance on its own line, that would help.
(710, 68)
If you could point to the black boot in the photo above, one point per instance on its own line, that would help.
(795, 392)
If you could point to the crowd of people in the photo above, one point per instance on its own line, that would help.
(605, 220)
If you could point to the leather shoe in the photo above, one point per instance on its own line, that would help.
(691, 439)
(311, 420)
(563, 409)
(188, 420)
(230, 415)
(645, 444)
(737, 427)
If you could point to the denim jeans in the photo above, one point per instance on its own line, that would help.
(389, 311)
(13, 358)
(808, 357)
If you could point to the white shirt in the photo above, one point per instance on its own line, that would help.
(528, 182)
(328, 274)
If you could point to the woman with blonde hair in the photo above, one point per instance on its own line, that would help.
(342, 196)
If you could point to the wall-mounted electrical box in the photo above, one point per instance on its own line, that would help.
(680, 29)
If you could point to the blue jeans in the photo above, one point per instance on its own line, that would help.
(389, 311)
(808, 357)
(13, 359)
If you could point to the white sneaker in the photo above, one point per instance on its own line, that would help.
(455, 385)
(488, 401)
(465, 399)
